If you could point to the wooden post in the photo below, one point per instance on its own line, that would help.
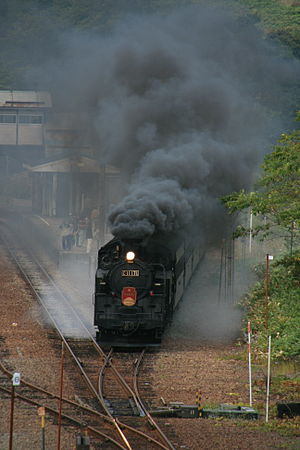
(42, 413)
(60, 394)
(268, 379)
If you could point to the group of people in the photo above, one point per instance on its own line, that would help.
(79, 231)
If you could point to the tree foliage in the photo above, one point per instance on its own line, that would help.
(280, 19)
(281, 313)
(278, 190)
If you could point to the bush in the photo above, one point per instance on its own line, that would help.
(280, 317)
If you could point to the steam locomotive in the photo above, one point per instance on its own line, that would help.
(138, 285)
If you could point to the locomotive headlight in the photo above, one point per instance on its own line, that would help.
(130, 256)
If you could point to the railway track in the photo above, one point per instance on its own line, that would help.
(101, 410)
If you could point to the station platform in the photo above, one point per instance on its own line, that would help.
(46, 231)
(83, 258)
(74, 270)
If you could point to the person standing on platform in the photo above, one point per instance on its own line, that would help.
(82, 228)
(89, 236)
(95, 216)
(74, 222)
(66, 235)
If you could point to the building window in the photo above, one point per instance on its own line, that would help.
(28, 118)
(7, 118)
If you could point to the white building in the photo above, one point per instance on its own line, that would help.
(22, 118)
(56, 149)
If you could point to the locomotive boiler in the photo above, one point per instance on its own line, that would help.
(138, 286)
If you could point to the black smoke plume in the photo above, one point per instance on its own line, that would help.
(190, 101)
(186, 104)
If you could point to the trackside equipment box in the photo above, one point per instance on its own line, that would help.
(230, 411)
(177, 409)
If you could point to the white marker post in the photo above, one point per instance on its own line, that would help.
(250, 232)
(267, 283)
(249, 364)
(268, 380)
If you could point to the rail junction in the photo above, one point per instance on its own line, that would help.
(109, 407)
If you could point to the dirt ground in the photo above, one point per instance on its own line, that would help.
(180, 369)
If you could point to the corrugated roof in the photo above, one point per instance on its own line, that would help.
(33, 99)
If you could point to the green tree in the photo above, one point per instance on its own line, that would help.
(277, 198)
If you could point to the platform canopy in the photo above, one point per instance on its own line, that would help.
(25, 99)
(80, 164)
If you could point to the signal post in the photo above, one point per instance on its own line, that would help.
(16, 381)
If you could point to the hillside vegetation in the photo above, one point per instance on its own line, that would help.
(278, 317)
(273, 305)
(279, 19)
(34, 26)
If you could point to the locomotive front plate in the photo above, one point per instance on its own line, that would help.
(130, 273)
(135, 275)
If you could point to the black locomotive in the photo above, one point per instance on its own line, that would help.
(138, 286)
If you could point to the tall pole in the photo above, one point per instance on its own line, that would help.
(267, 281)
(102, 204)
(232, 270)
(268, 379)
(16, 381)
(249, 364)
(60, 394)
(11, 417)
(221, 270)
(250, 232)
(267, 284)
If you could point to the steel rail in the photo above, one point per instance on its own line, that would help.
(54, 322)
(100, 383)
(70, 306)
(65, 416)
(116, 422)
(55, 396)
(121, 380)
(65, 341)
(108, 419)
(141, 406)
(149, 417)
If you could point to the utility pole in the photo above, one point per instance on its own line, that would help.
(60, 394)
(102, 204)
